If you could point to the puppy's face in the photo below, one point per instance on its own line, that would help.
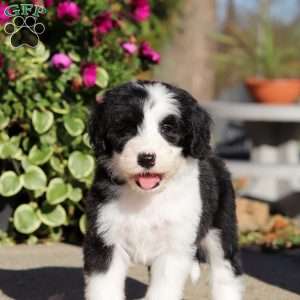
(145, 131)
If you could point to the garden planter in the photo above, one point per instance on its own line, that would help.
(274, 91)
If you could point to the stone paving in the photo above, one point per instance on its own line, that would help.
(54, 272)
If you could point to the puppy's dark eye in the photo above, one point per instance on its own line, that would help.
(170, 129)
(165, 128)
(169, 124)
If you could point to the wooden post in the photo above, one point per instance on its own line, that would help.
(188, 59)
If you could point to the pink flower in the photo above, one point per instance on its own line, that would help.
(1, 60)
(141, 10)
(129, 47)
(3, 18)
(48, 3)
(61, 61)
(68, 12)
(104, 23)
(139, 2)
(147, 52)
(11, 74)
(89, 74)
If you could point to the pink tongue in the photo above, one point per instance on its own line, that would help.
(148, 182)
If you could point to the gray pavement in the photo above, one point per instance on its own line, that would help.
(54, 272)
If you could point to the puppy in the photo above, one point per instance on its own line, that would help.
(159, 195)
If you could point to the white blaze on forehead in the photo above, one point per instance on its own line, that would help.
(160, 103)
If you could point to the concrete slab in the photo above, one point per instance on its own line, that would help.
(53, 272)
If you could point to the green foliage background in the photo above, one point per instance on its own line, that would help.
(45, 159)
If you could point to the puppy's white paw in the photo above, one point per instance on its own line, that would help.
(195, 273)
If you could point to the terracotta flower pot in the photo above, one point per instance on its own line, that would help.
(274, 91)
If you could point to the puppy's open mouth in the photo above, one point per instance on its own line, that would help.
(148, 181)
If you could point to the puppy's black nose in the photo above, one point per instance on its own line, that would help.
(146, 160)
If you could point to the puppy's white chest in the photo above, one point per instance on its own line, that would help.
(146, 227)
(144, 238)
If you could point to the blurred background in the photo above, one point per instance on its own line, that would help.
(241, 61)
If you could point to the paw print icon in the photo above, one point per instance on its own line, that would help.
(24, 31)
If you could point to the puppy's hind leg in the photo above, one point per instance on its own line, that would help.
(225, 270)
(221, 241)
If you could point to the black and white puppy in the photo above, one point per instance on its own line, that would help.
(159, 195)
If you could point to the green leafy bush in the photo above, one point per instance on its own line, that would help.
(45, 159)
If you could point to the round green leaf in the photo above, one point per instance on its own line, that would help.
(32, 240)
(80, 165)
(39, 193)
(74, 126)
(42, 120)
(76, 141)
(61, 107)
(39, 156)
(11, 148)
(57, 165)
(34, 178)
(25, 219)
(25, 143)
(86, 140)
(16, 140)
(4, 120)
(10, 184)
(75, 194)
(26, 163)
(52, 216)
(19, 109)
(18, 155)
(3, 136)
(74, 56)
(102, 78)
(38, 51)
(8, 150)
(82, 224)
(57, 191)
(87, 180)
(49, 137)
(56, 234)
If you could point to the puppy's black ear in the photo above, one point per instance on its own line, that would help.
(96, 128)
(199, 132)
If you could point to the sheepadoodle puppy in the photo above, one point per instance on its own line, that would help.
(159, 196)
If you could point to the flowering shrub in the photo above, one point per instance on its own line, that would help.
(3, 17)
(45, 160)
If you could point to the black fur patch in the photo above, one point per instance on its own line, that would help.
(172, 129)
(218, 211)
(114, 121)
(196, 124)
